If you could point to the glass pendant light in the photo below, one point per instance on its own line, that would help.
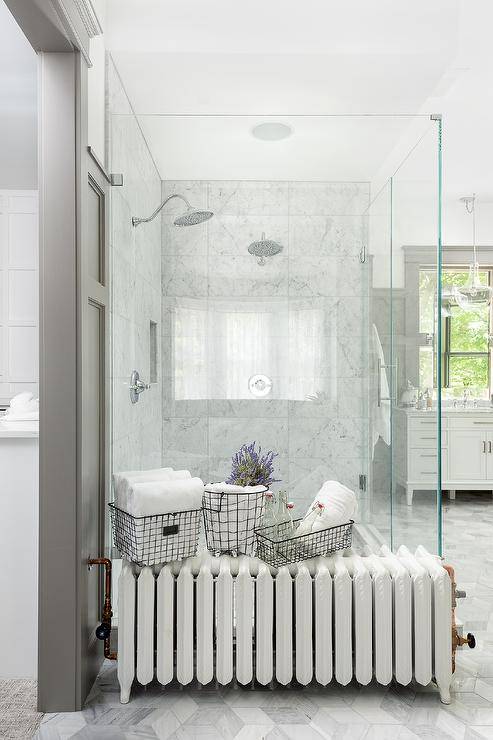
(474, 292)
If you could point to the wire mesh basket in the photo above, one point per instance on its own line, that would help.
(274, 548)
(230, 520)
(160, 538)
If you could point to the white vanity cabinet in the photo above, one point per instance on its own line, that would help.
(467, 450)
(471, 452)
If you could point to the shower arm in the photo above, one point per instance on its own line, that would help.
(136, 221)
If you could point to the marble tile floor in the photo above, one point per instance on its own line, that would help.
(311, 713)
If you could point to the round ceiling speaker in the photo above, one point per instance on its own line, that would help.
(272, 131)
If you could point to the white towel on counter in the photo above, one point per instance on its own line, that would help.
(123, 482)
(23, 407)
(340, 505)
(164, 496)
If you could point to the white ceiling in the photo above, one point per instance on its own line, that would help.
(280, 26)
(284, 58)
(335, 148)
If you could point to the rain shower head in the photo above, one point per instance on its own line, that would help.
(264, 248)
(191, 217)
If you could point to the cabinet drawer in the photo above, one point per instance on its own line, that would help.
(427, 423)
(423, 465)
(426, 438)
(475, 423)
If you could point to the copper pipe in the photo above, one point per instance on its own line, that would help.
(107, 611)
(457, 640)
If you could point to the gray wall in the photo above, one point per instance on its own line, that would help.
(135, 285)
(18, 106)
(300, 319)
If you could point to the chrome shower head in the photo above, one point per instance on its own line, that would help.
(264, 248)
(192, 216)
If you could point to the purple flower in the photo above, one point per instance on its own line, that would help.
(252, 468)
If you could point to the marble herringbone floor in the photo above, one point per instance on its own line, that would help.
(312, 713)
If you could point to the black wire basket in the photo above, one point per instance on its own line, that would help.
(274, 548)
(230, 520)
(149, 540)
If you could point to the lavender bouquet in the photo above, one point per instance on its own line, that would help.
(252, 468)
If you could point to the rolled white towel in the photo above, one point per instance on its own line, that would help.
(234, 517)
(122, 482)
(231, 488)
(339, 506)
(165, 496)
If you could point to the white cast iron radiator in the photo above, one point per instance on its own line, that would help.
(381, 616)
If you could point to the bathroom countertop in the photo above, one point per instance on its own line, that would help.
(26, 429)
(459, 411)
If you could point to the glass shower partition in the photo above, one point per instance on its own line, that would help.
(404, 346)
(307, 352)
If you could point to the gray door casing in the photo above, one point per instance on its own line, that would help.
(73, 395)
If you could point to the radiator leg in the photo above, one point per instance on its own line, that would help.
(444, 694)
(124, 694)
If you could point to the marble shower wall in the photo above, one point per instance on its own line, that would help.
(301, 319)
(136, 285)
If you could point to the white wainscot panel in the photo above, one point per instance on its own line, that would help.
(23, 353)
(23, 240)
(27, 204)
(23, 295)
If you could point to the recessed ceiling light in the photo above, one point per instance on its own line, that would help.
(272, 131)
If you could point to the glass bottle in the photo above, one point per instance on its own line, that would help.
(269, 519)
(290, 529)
(310, 519)
(282, 512)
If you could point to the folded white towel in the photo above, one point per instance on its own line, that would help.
(143, 473)
(339, 506)
(122, 482)
(165, 496)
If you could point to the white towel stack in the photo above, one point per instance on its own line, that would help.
(339, 506)
(23, 407)
(158, 491)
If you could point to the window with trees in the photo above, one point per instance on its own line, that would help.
(466, 337)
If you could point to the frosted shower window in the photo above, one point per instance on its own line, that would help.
(190, 352)
(244, 343)
(217, 350)
(308, 354)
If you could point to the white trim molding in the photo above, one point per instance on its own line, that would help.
(80, 22)
(89, 18)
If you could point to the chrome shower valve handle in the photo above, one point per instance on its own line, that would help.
(137, 386)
